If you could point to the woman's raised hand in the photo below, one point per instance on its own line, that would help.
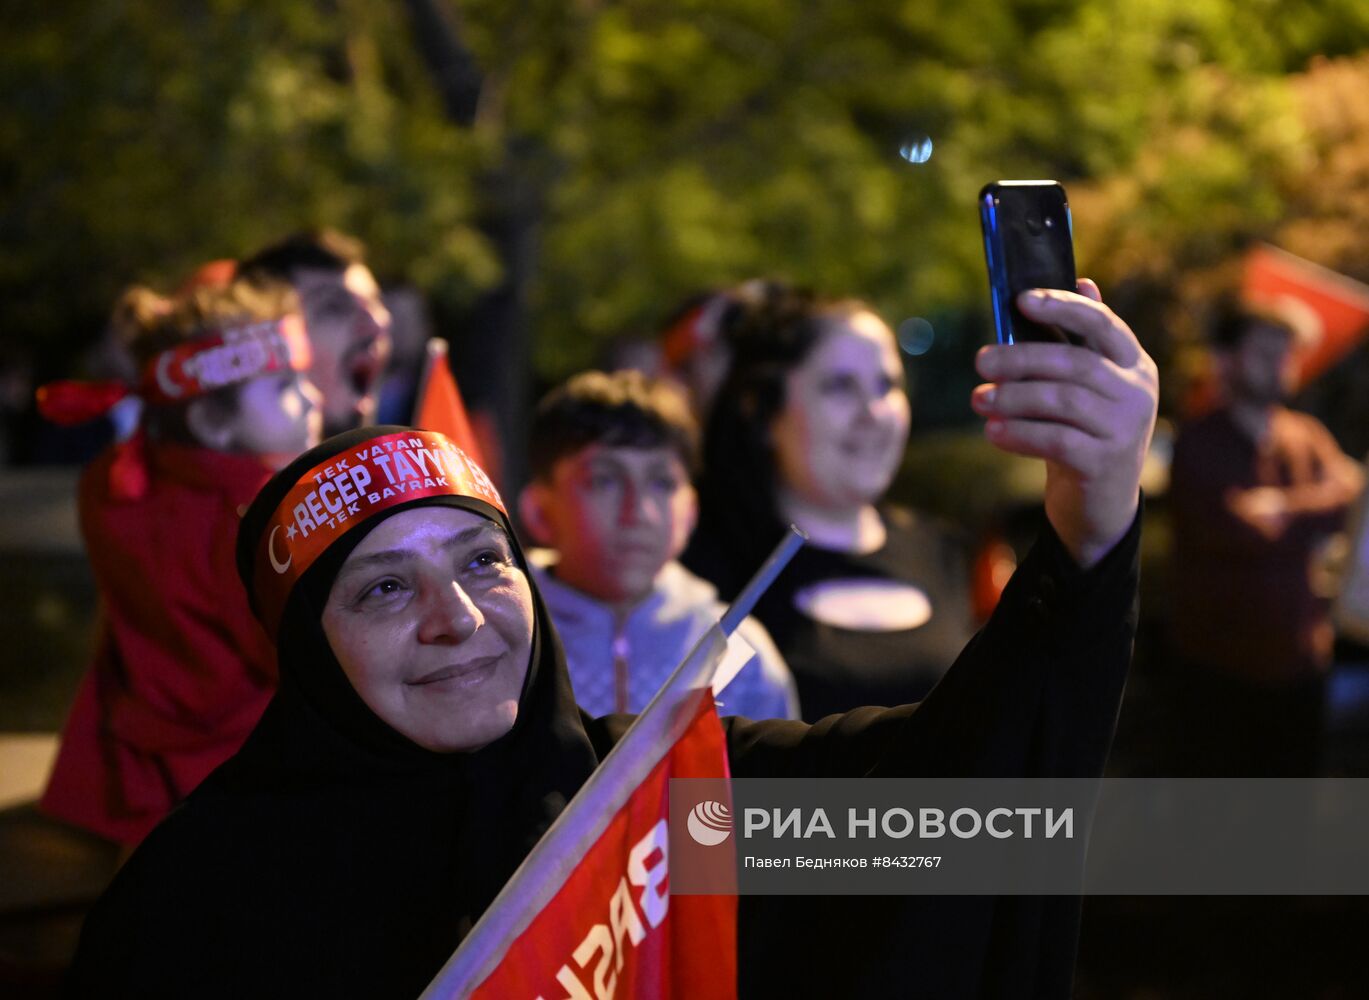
(1089, 412)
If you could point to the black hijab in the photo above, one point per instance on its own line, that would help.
(332, 855)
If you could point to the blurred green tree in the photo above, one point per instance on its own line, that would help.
(574, 168)
(141, 139)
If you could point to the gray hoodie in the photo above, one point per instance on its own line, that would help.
(617, 663)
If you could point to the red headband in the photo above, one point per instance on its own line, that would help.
(187, 370)
(226, 357)
(349, 488)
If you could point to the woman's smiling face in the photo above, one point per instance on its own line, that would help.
(431, 618)
(840, 437)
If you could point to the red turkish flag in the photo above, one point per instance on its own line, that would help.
(589, 914)
(1331, 308)
(439, 406)
(614, 929)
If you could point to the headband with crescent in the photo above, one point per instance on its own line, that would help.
(226, 357)
(188, 370)
(348, 489)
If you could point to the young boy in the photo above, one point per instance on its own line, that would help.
(610, 459)
(182, 670)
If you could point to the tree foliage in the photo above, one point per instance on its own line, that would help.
(663, 147)
(142, 139)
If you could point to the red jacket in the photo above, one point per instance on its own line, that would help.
(182, 669)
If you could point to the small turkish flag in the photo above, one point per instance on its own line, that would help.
(1330, 311)
(439, 406)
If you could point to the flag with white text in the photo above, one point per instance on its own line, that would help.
(588, 916)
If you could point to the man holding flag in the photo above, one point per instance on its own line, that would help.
(1257, 488)
(424, 781)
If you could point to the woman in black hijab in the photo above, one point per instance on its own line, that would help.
(358, 835)
(334, 855)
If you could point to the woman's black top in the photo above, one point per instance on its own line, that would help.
(840, 668)
(322, 862)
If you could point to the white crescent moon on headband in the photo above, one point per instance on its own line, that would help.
(163, 379)
(276, 564)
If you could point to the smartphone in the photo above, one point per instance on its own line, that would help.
(1028, 243)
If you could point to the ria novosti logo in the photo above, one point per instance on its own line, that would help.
(709, 823)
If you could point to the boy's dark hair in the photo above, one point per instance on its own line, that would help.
(1233, 318)
(314, 249)
(624, 409)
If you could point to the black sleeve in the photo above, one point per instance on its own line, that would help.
(110, 959)
(1035, 693)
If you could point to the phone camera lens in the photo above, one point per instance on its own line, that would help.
(1033, 223)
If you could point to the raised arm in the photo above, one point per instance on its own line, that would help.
(1036, 692)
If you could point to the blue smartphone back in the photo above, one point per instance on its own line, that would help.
(1028, 243)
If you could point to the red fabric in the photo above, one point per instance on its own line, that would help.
(211, 274)
(128, 477)
(993, 565)
(487, 434)
(68, 402)
(441, 408)
(684, 337)
(1334, 308)
(182, 670)
(613, 929)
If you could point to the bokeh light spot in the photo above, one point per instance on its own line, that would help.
(916, 148)
(915, 336)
